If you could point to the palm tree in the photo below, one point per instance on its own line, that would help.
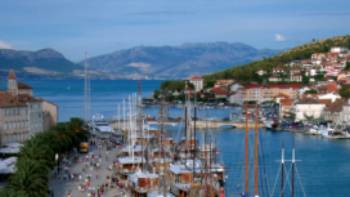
(31, 178)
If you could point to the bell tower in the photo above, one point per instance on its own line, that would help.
(12, 86)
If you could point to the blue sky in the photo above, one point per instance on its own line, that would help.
(75, 26)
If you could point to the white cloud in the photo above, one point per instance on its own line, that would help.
(280, 38)
(5, 45)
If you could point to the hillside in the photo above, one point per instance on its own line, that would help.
(42, 62)
(175, 62)
(247, 72)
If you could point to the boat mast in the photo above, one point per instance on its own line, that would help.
(246, 142)
(282, 172)
(256, 153)
(87, 92)
(293, 173)
(162, 117)
(193, 140)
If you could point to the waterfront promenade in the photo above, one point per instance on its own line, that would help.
(90, 174)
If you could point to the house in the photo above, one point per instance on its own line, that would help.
(318, 58)
(235, 87)
(279, 73)
(295, 75)
(285, 103)
(343, 77)
(224, 83)
(197, 82)
(261, 93)
(21, 114)
(220, 92)
(338, 50)
(221, 88)
(331, 97)
(236, 98)
(332, 112)
(308, 108)
(327, 87)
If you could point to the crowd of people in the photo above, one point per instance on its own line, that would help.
(92, 173)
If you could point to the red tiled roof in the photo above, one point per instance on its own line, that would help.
(337, 106)
(8, 100)
(220, 91)
(195, 78)
(329, 87)
(281, 95)
(275, 85)
(286, 102)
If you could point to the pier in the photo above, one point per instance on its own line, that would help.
(200, 124)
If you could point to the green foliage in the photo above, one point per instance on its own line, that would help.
(176, 85)
(247, 73)
(347, 67)
(312, 91)
(344, 92)
(36, 158)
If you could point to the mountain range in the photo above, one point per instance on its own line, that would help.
(144, 62)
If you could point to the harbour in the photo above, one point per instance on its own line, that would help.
(329, 176)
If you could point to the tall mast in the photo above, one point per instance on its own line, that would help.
(246, 143)
(282, 172)
(87, 91)
(293, 173)
(162, 117)
(256, 153)
(193, 140)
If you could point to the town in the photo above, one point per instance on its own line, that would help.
(311, 94)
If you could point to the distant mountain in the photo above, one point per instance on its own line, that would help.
(163, 62)
(173, 62)
(46, 62)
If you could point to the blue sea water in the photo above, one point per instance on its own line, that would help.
(323, 167)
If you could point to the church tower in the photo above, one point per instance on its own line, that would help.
(12, 86)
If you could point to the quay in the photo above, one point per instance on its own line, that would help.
(200, 124)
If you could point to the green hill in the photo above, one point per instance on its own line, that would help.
(247, 72)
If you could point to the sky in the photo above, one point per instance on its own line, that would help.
(74, 27)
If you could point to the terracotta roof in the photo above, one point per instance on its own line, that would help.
(327, 102)
(337, 106)
(220, 91)
(308, 101)
(23, 86)
(275, 85)
(329, 87)
(282, 95)
(195, 78)
(9, 100)
(12, 75)
(286, 102)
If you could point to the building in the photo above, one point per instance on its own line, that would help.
(21, 114)
(308, 109)
(236, 98)
(285, 104)
(197, 82)
(332, 112)
(262, 93)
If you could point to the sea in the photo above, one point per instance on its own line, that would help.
(322, 165)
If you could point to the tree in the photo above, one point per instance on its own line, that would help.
(347, 67)
(344, 92)
(36, 159)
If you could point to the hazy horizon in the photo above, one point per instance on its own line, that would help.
(73, 27)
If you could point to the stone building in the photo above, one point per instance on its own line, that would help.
(21, 114)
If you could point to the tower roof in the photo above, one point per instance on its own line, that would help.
(12, 75)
